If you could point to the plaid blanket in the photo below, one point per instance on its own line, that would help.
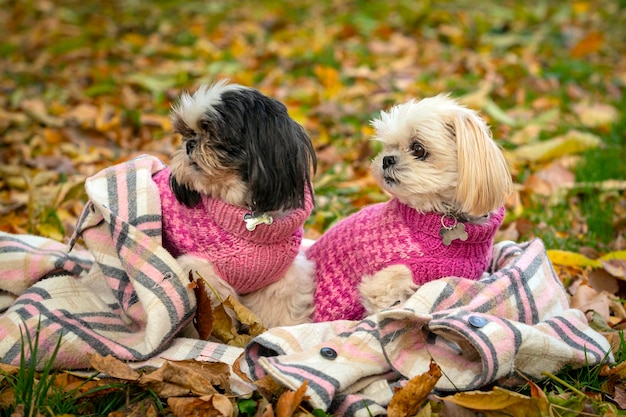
(478, 332)
(125, 295)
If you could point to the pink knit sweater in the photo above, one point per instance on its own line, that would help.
(388, 234)
(215, 231)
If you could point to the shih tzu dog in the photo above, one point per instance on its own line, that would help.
(448, 181)
(236, 196)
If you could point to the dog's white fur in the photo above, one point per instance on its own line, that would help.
(286, 302)
(464, 174)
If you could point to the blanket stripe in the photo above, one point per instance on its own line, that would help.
(125, 296)
(479, 333)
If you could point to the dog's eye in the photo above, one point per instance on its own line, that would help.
(418, 151)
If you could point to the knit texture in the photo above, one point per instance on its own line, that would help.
(215, 231)
(387, 234)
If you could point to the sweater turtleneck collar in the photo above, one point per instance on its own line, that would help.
(230, 217)
(430, 223)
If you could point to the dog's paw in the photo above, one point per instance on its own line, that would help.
(386, 288)
(217, 288)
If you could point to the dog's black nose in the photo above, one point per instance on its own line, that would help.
(191, 145)
(388, 161)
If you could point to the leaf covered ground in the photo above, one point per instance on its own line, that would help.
(86, 85)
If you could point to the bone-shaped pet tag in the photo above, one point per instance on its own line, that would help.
(253, 221)
(450, 233)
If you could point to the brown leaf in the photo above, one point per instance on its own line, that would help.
(6, 369)
(550, 179)
(36, 109)
(266, 411)
(216, 405)
(289, 402)
(83, 115)
(499, 402)
(408, 400)
(615, 267)
(223, 325)
(203, 321)
(7, 397)
(245, 316)
(619, 395)
(187, 376)
(600, 280)
(269, 387)
(236, 368)
(143, 408)
(113, 367)
(586, 298)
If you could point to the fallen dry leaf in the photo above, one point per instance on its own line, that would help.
(269, 387)
(619, 395)
(567, 258)
(216, 405)
(615, 267)
(498, 402)
(224, 328)
(143, 408)
(245, 316)
(188, 376)
(113, 367)
(596, 114)
(203, 320)
(586, 298)
(572, 142)
(289, 401)
(408, 400)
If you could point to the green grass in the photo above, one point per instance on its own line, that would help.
(36, 393)
(31, 388)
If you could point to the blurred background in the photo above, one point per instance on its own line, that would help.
(88, 84)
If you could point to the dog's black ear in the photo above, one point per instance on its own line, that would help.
(184, 194)
(281, 157)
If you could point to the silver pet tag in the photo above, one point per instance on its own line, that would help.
(453, 232)
(252, 221)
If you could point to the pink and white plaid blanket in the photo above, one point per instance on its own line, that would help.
(125, 295)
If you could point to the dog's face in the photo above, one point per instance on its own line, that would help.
(242, 147)
(439, 156)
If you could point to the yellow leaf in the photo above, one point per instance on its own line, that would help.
(598, 114)
(620, 254)
(571, 143)
(566, 258)
(245, 316)
(329, 78)
(498, 402)
(223, 325)
(157, 120)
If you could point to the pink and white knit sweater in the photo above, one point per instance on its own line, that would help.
(388, 234)
(215, 231)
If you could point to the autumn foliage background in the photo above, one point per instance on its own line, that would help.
(89, 84)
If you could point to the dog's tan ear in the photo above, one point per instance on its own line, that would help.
(484, 180)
